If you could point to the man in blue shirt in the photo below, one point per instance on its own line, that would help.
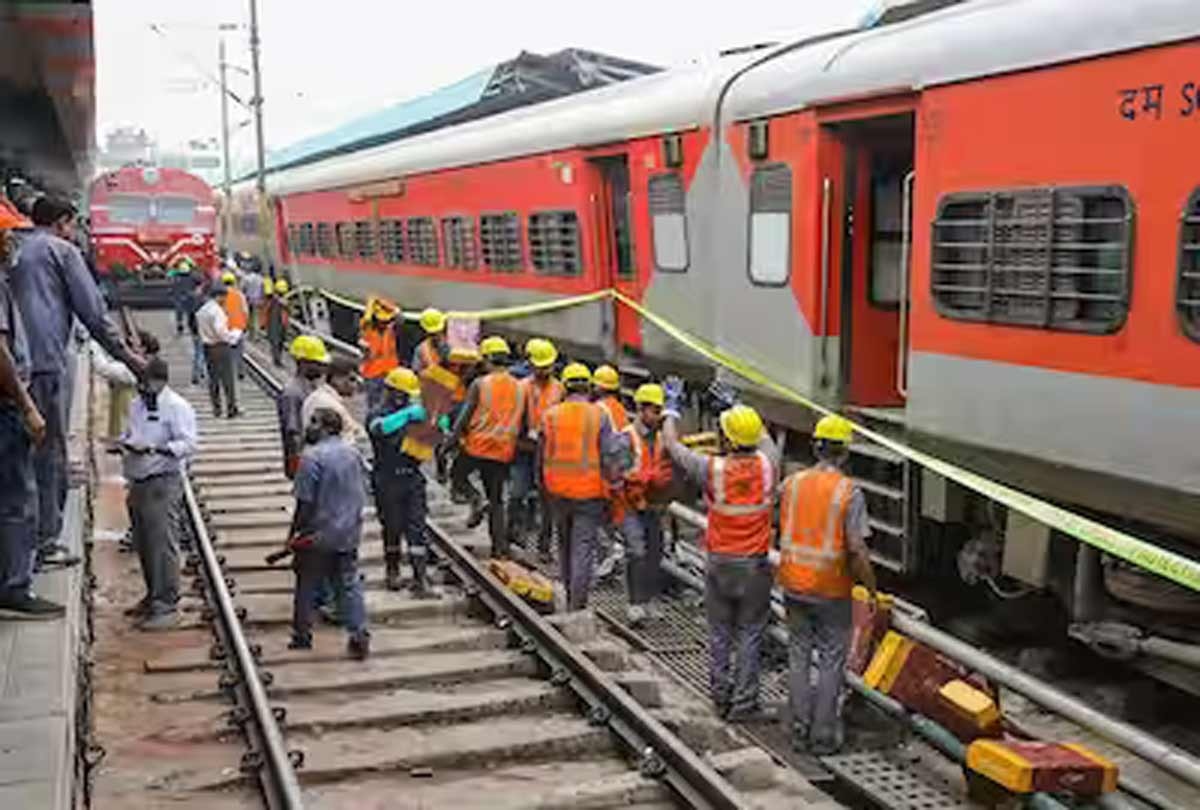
(21, 428)
(326, 531)
(52, 286)
(156, 446)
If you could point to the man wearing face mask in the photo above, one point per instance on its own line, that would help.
(312, 361)
(156, 446)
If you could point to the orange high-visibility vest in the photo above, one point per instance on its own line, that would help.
(812, 536)
(381, 351)
(540, 398)
(740, 490)
(613, 406)
(571, 450)
(492, 431)
(651, 471)
(236, 311)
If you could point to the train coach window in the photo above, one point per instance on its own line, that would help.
(307, 244)
(325, 247)
(554, 243)
(1054, 258)
(175, 210)
(129, 209)
(668, 223)
(458, 237)
(364, 239)
(500, 242)
(293, 239)
(770, 245)
(421, 238)
(345, 240)
(1187, 290)
(391, 240)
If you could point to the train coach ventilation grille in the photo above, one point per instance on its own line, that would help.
(421, 238)
(1187, 291)
(458, 237)
(293, 239)
(345, 240)
(1055, 258)
(391, 240)
(325, 246)
(307, 244)
(554, 243)
(500, 242)
(364, 239)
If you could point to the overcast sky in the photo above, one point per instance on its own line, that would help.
(325, 62)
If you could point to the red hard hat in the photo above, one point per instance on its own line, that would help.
(10, 217)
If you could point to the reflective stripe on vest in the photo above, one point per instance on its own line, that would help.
(235, 310)
(740, 494)
(616, 412)
(812, 536)
(571, 451)
(492, 431)
(381, 352)
(540, 398)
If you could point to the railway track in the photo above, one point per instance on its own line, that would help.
(471, 700)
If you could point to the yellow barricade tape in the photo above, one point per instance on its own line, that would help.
(1163, 562)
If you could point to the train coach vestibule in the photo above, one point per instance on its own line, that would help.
(866, 231)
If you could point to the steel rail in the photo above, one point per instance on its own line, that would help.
(268, 756)
(660, 753)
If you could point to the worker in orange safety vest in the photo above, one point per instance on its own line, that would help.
(487, 429)
(578, 459)
(433, 350)
(542, 392)
(237, 312)
(606, 391)
(822, 551)
(638, 506)
(379, 339)
(739, 487)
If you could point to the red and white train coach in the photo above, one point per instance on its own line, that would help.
(979, 225)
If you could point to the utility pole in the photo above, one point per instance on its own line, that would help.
(257, 102)
(226, 220)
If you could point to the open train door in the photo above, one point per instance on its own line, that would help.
(611, 202)
(866, 153)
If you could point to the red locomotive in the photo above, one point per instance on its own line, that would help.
(145, 219)
(930, 223)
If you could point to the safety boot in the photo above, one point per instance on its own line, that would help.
(479, 511)
(393, 572)
(420, 588)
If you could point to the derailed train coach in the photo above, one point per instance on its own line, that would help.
(972, 227)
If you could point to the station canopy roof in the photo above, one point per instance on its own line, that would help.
(528, 79)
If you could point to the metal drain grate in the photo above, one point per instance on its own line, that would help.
(899, 779)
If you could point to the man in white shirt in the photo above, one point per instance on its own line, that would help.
(340, 384)
(156, 446)
(213, 327)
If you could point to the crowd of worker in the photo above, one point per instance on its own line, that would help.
(544, 451)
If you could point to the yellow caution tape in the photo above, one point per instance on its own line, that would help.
(1165, 563)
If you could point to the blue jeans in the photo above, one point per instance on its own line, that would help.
(737, 601)
(18, 506)
(199, 372)
(823, 624)
(49, 392)
(578, 534)
(313, 568)
(643, 544)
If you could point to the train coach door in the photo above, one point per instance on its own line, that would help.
(612, 213)
(876, 174)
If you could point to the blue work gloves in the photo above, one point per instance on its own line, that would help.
(675, 394)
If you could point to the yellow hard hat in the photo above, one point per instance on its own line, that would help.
(542, 352)
(433, 320)
(463, 354)
(403, 380)
(268, 285)
(311, 348)
(606, 378)
(742, 425)
(229, 278)
(576, 373)
(493, 345)
(381, 308)
(648, 394)
(281, 286)
(834, 428)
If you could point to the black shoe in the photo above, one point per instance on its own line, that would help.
(392, 578)
(234, 413)
(216, 412)
(56, 555)
(137, 611)
(479, 510)
(29, 606)
(299, 643)
(359, 647)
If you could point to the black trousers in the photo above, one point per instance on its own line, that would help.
(493, 474)
(219, 359)
(400, 503)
